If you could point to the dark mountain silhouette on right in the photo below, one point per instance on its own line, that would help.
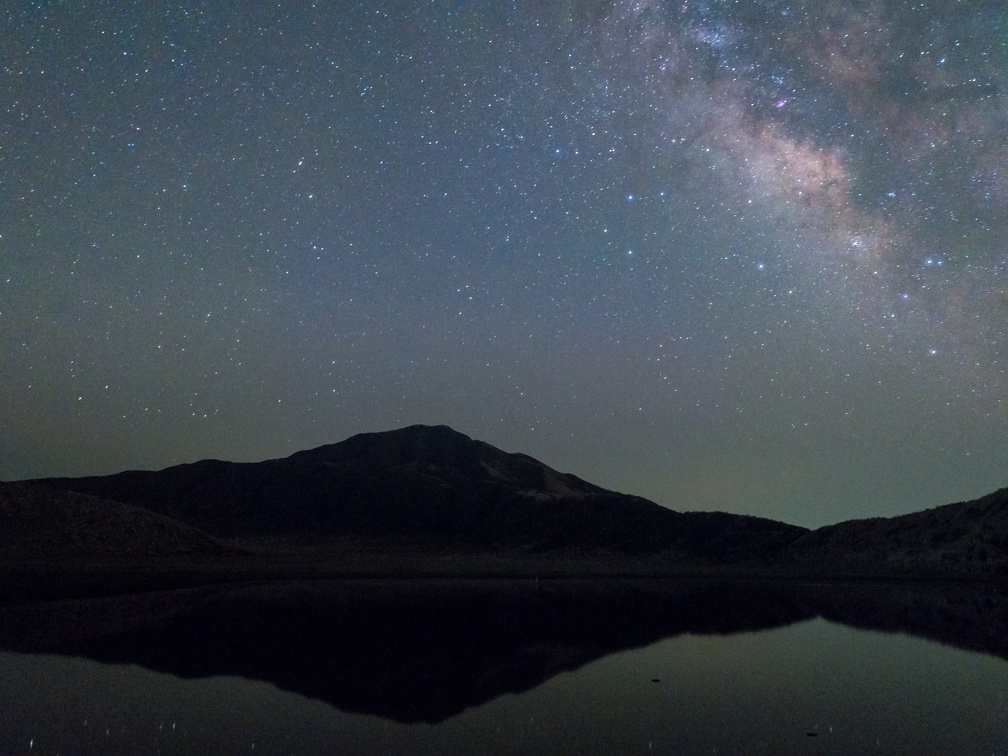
(967, 540)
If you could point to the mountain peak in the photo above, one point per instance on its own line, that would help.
(413, 436)
(422, 444)
(420, 430)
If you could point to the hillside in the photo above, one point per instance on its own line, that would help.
(966, 540)
(430, 500)
(434, 484)
(44, 526)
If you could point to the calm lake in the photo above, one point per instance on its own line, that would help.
(507, 668)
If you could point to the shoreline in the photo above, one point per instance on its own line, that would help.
(25, 583)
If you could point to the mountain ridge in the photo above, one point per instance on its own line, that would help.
(963, 539)
(423, 481)
(442, 492)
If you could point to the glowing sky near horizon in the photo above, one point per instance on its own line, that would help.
(748, 256)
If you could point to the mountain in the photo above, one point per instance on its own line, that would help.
(433, 484)
(40, 525)
(966, 540)
(426, 499)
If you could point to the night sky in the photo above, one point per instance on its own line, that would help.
(744, 255)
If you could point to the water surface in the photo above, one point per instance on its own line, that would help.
(784, 680)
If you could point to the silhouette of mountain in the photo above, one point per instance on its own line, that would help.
(38, 525)
(361, 505)
(431, 483)
(967, 540)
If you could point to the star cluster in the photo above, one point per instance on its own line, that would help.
(730, 255)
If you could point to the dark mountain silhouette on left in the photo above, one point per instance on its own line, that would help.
(39, 524)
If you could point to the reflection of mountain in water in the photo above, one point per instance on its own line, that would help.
(407, 650)
(963, 615)
(426, 650)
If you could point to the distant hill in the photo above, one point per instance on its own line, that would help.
(38, 525)
(435, 484)
(967, 540)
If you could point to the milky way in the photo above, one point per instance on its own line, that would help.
(746, 256)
